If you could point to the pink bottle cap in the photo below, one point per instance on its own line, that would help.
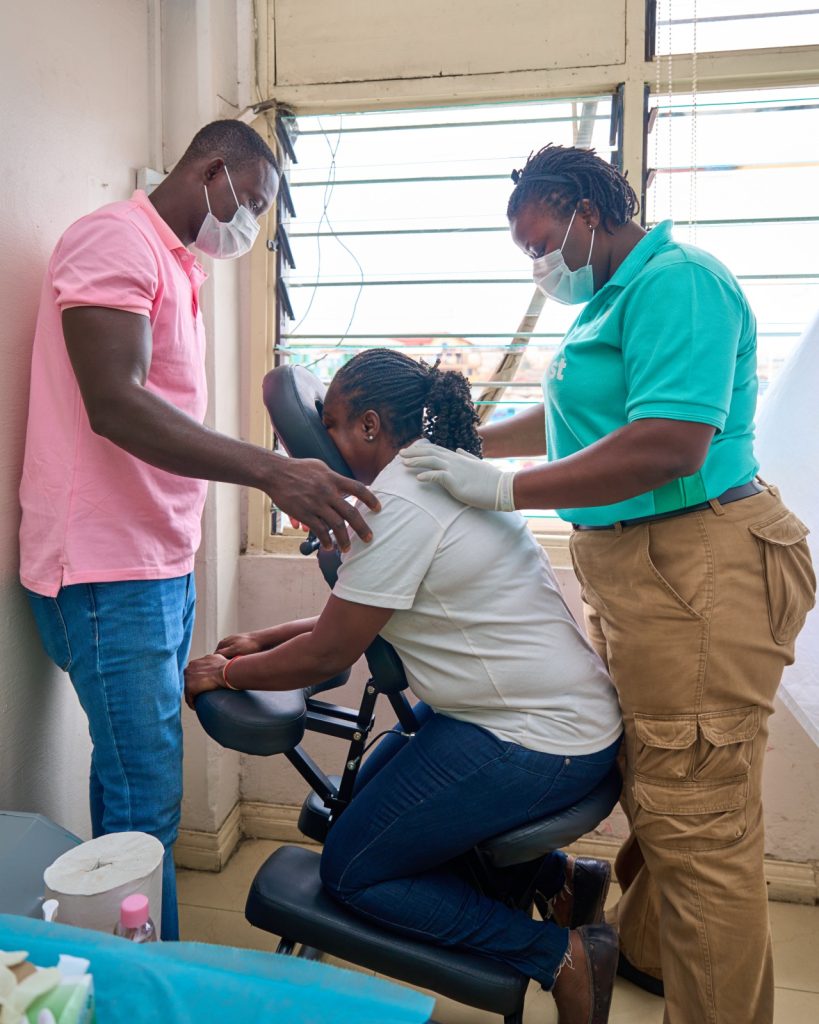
(133, 911)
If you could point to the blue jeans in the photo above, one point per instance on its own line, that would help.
(125, 646)
(425, 801)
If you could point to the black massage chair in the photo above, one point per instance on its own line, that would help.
(287, 897)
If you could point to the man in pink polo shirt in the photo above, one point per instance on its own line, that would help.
(116, 464)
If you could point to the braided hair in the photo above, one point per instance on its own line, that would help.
(561, 176)
(412, 398)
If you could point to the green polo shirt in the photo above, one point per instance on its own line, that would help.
(670, 336)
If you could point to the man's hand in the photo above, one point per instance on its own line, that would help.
(311, 493)
(110, 351)
(202, 675)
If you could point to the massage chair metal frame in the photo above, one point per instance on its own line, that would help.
(287, 897)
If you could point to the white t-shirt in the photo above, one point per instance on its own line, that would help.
(479, 624)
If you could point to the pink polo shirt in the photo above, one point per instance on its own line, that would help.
(92, 513)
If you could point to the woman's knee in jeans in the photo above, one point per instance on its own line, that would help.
(331, 870)
(340, 867)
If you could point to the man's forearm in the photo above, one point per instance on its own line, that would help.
(156, 432)
(111, 351)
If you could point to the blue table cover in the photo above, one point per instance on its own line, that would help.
(193, 983)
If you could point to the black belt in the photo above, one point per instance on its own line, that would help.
(732, 494)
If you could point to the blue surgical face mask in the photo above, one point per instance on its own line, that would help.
(554, 278)
(227, 240)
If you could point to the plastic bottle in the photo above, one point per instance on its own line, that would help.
(134, 922)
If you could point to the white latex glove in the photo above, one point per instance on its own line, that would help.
(466, 477)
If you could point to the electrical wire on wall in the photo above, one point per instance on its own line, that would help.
(325, 202)
(657, 89)
(325, 218)
(268, 111)
(664, 18)
(344, 246)
(670, 114)
(692, 184)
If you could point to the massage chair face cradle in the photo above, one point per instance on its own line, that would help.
(264, 723)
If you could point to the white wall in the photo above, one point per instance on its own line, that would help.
(74, 110)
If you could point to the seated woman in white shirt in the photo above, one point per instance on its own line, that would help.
(519, 716)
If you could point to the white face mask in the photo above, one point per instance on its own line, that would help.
(554, 278)
(227, 240)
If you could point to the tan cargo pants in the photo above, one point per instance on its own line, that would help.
(696, 617)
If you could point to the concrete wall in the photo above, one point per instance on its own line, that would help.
(365, 52)
(331, 41)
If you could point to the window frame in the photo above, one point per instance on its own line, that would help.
(634, 78)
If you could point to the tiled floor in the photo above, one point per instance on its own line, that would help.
(212, 910)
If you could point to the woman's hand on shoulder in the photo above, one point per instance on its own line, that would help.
(467, 478)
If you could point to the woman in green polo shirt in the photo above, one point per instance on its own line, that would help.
(695, 577)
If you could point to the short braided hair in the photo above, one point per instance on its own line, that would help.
(411, 397)
(561, 176)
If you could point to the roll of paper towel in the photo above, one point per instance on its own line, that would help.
(92, 879)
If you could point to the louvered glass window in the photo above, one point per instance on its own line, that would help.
(400, 238)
